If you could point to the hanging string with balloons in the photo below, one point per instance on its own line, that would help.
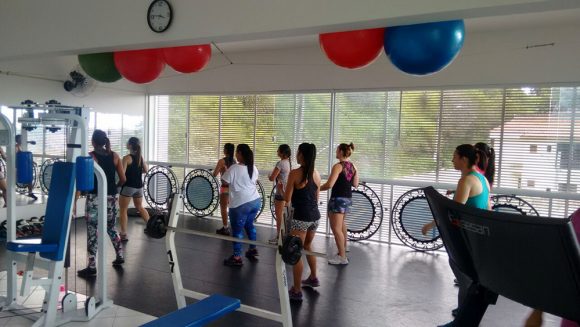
(419, 49)
(144, 66)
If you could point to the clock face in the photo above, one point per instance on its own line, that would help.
(159, 16)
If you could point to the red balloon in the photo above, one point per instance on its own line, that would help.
(353, 49)
(188, 59)
(140, 66)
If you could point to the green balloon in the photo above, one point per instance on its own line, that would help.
(100, 66)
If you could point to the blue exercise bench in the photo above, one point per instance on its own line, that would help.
(199, 313)
(52, 245)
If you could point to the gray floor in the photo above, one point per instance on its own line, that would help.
(383, 286)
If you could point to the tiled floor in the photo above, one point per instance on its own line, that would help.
(382, 286)
(115, 316)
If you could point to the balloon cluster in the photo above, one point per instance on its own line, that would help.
(419, 49)
(144, 66)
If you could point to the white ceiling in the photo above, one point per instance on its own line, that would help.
(474, 25)
(58, 67)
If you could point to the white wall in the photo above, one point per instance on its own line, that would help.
(14, 89)
(34, 28)
(494, 57)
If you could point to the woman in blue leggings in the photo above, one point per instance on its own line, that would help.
(244, 202)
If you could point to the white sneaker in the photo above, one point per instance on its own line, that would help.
(338, 260)
(273, 241)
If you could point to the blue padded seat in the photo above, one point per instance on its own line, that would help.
(57, 217)
(199, 313)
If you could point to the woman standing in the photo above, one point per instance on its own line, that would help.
(342, 178)
(473, 191)
(302, 191)
(134, 167)
(280, 176)
(221, 167)
(244, 202)
(111, 163)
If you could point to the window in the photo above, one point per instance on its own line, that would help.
(203, 130)
(567, 158)
(563, 187)
(408, 135)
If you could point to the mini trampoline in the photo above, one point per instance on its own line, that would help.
(160, 182)
(23, 188)
(512, 204)
(409, 214)
(201, 192)
(262, 195)
(46, 174)
(366, 215)
(272, 201)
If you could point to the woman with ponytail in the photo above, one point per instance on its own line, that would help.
(111, 163)
(221, 167)
(341, 180)
(134, 167)
(280, 178)
(244, 202)
(473, 191)
(302, 191)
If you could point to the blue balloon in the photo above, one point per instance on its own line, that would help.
(424, 49)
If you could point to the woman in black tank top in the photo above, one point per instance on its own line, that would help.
(110, 162)
(134, 167)
(302, 191)
(341, 180)
(220, 168)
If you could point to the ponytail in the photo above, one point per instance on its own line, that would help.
(100, 140)
(229, 152)
(346, 149)
(308, 152)
(486, 162)
(108, 146)
(247, 157)
(135, 145)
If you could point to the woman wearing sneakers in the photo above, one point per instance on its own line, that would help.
(341, 180)
(111, 163)
(280, 177)
(244, 202)
(302, 190)
(222, 165)
(134, 167)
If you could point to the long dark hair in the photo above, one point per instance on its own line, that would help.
(346, 149)
(247, 156)
(486, 162)
(229, 152)
(286, 152)
(100, 140)
(467, 151)
(308, 152)
(135, 146)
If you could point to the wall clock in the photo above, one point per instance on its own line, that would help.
(159, 16)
